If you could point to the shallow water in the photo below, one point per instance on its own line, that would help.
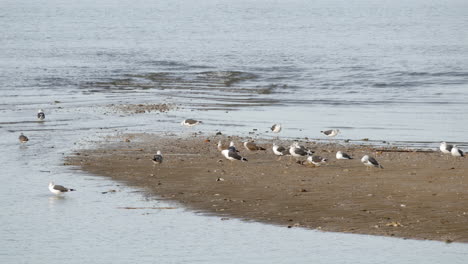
(388, 71)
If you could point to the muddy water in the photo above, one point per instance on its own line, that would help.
(393, 72)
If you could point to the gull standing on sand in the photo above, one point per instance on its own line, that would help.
(279, 150)
(23, 139)
(456, 152)
(231, 154)
(445, 148)
(276, 128)
(190, 122)
(251, 146)
(299, 151)
(342, 156)
(40, 115)
(316, 160)
(331, 132)
(158, 158)
(58, 189)
(370, 162)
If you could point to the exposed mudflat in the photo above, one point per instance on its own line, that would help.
(421, 195)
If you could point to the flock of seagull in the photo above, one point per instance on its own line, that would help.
(230, 152)
(294, 150)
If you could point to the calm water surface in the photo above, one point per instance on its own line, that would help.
(384, 70)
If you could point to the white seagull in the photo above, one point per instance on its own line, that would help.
(231, 154)
(58, 189)
(331, 132)
(40, 115)
(279, 150)
(456, 152)
(158, 158)
(276, 128)
(299, 151)
(342, 156)
(190, 122)
(370, 162)
(316, 160)
(445, 148)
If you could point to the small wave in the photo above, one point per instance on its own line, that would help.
(430, 74)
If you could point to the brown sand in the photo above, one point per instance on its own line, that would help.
(420, 195)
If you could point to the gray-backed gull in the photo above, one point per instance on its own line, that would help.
(445, 148)
(276, 128)
(342, 156)
(331, 132)
(299, 151)
(370, 162)
(279, 150)
(158, 158)
(316, 160)
(456, 152)
(40, 115)
(190, 122)
(58, 189)
(231, 154)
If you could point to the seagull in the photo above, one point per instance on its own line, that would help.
(158, 158)
(190, 122)
(456, 152)
(445, 148)
(299, 151)
(316, 160)
(331, 132)
(343, 156)
(370, 162)
(23, 139)
(40, 115)
(58, 189)
(276, 128)
(251, 146)
(279, 150)
(231, 154)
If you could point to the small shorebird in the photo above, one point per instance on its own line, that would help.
(190, 122)
(231, 154)
(58, 189)
(23, 139)
(316, 160)
(158, 158)
(370, 162)
(331, 132)
(40, 115)
(456, 152)
(276, 128)
(251, 146)
(299, 151)
(342, 156)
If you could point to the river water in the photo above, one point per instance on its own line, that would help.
(394, 71)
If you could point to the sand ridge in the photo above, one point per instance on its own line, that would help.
(421, 195)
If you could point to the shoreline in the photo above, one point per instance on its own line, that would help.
(419, 195)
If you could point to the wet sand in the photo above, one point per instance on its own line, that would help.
(419, 195)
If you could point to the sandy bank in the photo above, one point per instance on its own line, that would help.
(417, 195)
